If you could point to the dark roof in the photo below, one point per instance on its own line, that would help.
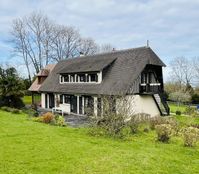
(119, 76)
(86, 64)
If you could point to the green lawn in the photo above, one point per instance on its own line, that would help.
(37, 148)
(28, 99)
(174, 107)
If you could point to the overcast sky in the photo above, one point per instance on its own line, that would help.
(171, 26)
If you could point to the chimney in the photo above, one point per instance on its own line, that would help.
(147, 43)
(81, 54)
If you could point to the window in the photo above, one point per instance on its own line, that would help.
(94, 77)
(72, 78)
(144, 78)
(61, 99)
(76, 78)
(82, 78)
(67, 99)
(66, 78)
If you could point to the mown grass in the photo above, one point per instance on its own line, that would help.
(31, 147)
(174, 107)
(28, 99)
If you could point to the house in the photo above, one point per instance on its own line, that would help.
(82, 82)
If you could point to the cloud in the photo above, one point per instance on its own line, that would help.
(171, 26)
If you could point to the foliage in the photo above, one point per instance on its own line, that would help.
(190, 136)
(15, 111)
(11, 88)
(38, 119)
(136, 120)
(178, 112)
(8, 109)
(39, 144)
(191, 111)
(180, 96)
(154, 121)
(48, 117)
(164, 132)
(195, 98)
(59, 120)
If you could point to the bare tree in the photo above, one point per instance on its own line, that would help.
(39, 41)
(182, 70)
(31, 37)
(88, 46)
(105, 48)
(20, 43)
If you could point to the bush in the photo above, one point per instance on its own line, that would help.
(190, 136)
(38, 119)
(48, 117)
(15, 111)
(14, 102)
(5, 108)
(164, 132)
(136, 120)
(97, 131)
(178, 112)
(8, 109)
(146, 130)
(59, 120)
(154, 121)
(190, 110)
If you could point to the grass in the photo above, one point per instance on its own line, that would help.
(31, 147)
(174, 107)
(28, 99)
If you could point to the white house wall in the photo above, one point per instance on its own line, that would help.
(135, 104)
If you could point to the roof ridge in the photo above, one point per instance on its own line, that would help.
(106, 53)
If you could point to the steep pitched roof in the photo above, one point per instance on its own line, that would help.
(125, 68)
(86, 64)
(44, 73)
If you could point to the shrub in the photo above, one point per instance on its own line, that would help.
(15, 111)
(190, 136)
(164, 132)
(178, 112)
(8, 109)
(136, 120)
(59, 120)
(38, 119)
(5, 108)
(97, 131)
(48, 117)
(195, 125)
(190, 110)
(146, 130)
(154, 121)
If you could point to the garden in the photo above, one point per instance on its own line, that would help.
(41, 145)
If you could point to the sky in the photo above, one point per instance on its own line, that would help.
(171, 26)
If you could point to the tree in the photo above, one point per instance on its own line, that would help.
(39, 41)
(11, 88)
(182, 71)
(180, 96)
(105, 48)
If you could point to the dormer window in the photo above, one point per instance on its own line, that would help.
(66, 78)
(72, 78)
(82, 78)
(91, 77)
